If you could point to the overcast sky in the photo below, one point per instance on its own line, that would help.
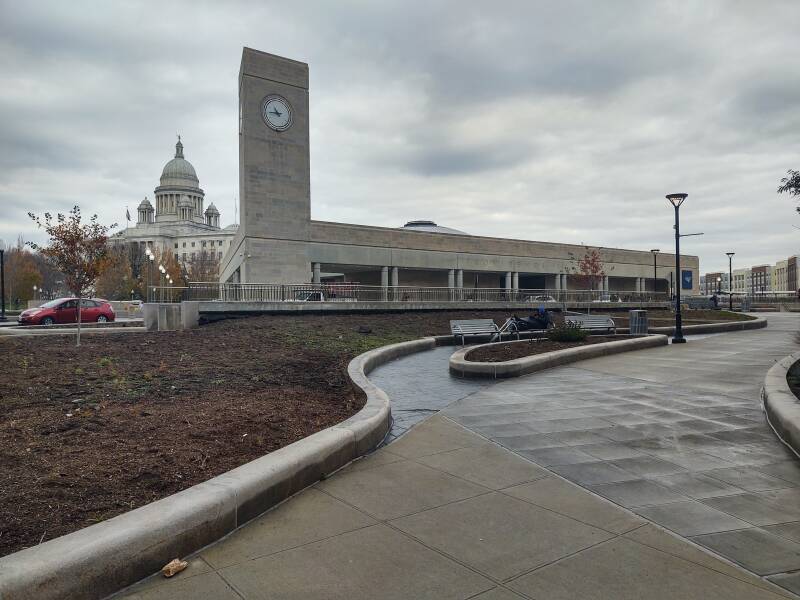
(557, 121)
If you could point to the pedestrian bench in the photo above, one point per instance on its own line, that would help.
(474, 327)
(592, 322)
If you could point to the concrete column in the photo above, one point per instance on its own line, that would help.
(606, 287)
(316, 276)
(384, 283)
(515, 280)
(564, 281)
(508, 280)
(459, 278)
(557, 283)
(395, 283)
(451, 278)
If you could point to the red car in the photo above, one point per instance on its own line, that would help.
(65, 310)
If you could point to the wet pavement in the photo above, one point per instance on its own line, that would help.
(675, 434)
(418, 388)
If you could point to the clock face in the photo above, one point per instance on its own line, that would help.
(277, 113)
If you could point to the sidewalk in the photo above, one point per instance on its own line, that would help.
(441, 514)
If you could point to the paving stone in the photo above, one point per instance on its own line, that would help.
(487, 465)
(691, 518)
(577, 438)
(647, 466)
(668, 542)
(380, 457)
(790, 581)
(398, 489)
(624, 570)
(564, 455)
(748, 478)
(610, 451)
(568, 499)
(311, 515)
(593, 473)
(790, 531)
(755, 509)
(638, 492)
(755, 549)
(529, 441)
(493, 431)
(498, 541)
(368, 563)
(205, 585)
(787, 470)
(697, 485)
(691, 461)
(436, 434)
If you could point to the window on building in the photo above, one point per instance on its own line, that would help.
(192, 255)
(220, 243)
(184, 257)
(204, 243)
(192, 244)
(176, 244)
(219, 255)
(184, 244)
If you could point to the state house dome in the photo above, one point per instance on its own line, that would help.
(430, 227)
(179, 171)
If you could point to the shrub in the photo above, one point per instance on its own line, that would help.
(567, 332)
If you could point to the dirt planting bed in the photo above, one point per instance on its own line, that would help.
(505, 351)
(89, 433)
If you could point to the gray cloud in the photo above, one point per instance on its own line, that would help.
(562, 121)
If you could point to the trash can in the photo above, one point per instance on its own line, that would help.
(638, 320)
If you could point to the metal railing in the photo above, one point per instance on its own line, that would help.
(343, 292)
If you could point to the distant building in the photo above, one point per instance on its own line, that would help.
(177, 221)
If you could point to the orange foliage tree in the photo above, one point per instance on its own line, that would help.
(78, 250)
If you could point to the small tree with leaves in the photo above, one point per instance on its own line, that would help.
(791, 185)
(78, 250)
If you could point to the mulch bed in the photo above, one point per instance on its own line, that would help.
(89, 433)
(502, 352)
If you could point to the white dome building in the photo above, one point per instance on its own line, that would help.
(178, 221)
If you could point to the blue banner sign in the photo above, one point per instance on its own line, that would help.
(686, 280)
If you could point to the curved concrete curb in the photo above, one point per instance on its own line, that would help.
(539, 362)
(781, 405)
(103, 558)
(757, 323)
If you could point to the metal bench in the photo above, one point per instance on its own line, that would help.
(474, 327)
(593, 322)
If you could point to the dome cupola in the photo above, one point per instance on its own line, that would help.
(212, 216)
(145, 211)
(178, 180)
(179, 171)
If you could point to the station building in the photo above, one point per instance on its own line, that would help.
(278, 242)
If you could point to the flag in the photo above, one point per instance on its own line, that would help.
(127, 214)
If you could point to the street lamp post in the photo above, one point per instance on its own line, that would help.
(719, 285)
(655, 252)
(730, 280)
(150, 259)
(676, 200)
(161, 270)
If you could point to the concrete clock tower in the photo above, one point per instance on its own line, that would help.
(274, 173)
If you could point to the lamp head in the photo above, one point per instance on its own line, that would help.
(655, 250)
(676, 199)
(730, 254)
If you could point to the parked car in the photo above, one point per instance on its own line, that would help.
(65, 310)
